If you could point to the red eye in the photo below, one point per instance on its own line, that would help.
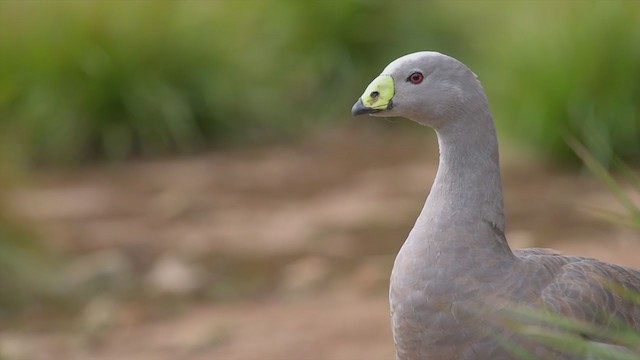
(416, 77)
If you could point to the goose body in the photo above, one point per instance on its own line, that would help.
(457, 290)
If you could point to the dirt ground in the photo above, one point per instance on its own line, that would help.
(276, 252)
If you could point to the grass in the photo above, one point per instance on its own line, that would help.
(87, 81)
(571, 74)
(631, 214)
(575, 337)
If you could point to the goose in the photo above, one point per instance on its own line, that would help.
(457, 290)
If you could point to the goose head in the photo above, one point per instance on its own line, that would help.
(427, 87)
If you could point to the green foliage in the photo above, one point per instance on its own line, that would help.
(571, 336)
(575, 73)
(80, 81)
(92, 80)
(631, 214)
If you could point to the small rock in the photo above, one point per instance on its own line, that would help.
(173, 275)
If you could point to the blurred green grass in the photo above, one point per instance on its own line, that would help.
(86, 81)
(575, 73)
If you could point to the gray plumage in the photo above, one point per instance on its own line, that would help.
(457, 290)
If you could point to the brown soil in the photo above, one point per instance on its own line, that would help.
(278, 252)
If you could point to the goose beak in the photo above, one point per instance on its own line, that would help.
(377, 97)
(359, 109)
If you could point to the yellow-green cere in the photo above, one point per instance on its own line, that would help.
(379, 93)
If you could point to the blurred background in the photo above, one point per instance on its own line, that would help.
(184, 180)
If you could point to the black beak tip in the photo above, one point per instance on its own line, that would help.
(359, 109)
